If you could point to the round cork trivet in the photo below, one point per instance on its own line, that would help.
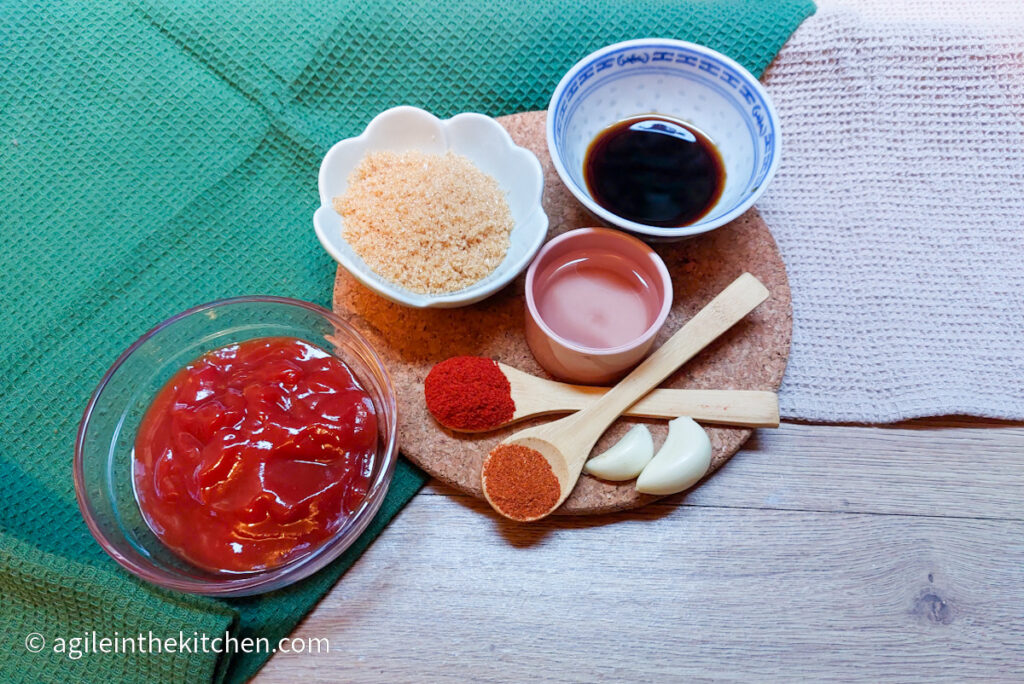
(750, 356)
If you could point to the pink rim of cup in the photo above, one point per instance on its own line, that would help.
(572, 361)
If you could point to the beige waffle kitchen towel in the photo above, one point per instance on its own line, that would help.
(899, 209)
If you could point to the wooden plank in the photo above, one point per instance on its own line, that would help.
(952, 471)
(452, 593)
(944, 468)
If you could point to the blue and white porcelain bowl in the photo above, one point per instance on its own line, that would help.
(677, 79)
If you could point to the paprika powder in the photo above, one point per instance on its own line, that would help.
(469, 393)
(519, 482)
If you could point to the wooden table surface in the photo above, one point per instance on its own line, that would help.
(818, 552)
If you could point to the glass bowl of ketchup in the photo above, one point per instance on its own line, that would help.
(237, 447)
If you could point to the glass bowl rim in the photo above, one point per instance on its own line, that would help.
(273, 578)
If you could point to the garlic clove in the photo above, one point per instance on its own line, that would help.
(680, 463)
(626, 458)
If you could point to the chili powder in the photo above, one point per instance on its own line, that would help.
(519, 482)
(469, 393)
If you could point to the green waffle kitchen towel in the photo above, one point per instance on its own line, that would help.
(156, 154)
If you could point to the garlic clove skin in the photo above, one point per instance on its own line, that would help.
(626, 458)
(680, 463)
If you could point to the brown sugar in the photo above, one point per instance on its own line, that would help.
(431, 223)
(519, 482)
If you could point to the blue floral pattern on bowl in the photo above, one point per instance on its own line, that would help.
(673, 78)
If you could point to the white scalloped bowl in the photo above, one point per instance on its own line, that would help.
(475, 136)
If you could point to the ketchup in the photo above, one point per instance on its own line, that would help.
(254, 454)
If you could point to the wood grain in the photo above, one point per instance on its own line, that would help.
(822, 553)
(945, 470)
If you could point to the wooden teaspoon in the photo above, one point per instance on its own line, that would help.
(522, 396)
(532, 472)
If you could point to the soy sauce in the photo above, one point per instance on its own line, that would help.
(655, 170)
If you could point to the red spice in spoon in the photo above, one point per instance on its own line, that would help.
(469, 393)
(519, 482)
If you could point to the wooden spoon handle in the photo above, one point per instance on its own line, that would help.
(720, 314)
(745, 408)
(742, 408)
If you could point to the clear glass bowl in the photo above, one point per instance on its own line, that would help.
(103, 450)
